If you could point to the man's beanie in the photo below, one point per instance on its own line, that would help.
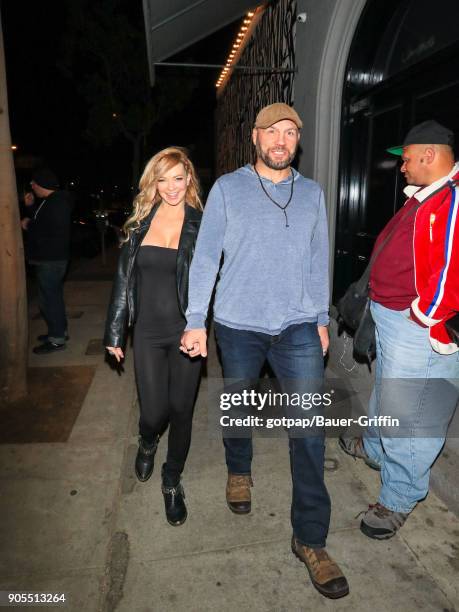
(45, 178)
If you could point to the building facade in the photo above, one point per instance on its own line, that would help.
(365, 72)
(273, 44)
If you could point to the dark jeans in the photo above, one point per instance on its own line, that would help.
(296, 358)
(50, 279)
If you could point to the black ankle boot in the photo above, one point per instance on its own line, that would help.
(145, 460)
(174, 503)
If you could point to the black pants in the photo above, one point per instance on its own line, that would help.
(50, 280)
(167, 382)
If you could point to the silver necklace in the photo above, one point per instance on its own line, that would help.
(38, 209)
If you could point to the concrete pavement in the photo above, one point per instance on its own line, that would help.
(75, 520)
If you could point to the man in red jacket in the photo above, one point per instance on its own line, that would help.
(414, 290)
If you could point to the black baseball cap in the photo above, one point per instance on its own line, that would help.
(428, 132)
(46, 178)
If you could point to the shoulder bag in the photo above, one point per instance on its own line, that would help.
(354, 307)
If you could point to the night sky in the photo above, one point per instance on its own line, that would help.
(48, 115)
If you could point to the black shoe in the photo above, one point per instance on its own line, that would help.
(48, 347)
(44, 338)
(174, 503)
(145, 460)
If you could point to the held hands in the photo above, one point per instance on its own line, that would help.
(194, 342)
(324, 338)
(117, 352)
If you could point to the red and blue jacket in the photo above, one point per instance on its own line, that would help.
(436, 263)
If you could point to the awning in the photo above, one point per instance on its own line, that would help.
(174, 25)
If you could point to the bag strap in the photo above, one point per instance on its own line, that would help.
(363, 281)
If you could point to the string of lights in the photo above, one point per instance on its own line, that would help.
(242, 37)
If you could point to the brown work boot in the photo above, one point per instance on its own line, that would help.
(238, 493)
(325, 573)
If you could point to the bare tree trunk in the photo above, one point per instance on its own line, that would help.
(13, 297)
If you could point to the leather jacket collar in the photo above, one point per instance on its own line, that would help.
(123, 304)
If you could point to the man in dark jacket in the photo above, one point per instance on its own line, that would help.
(48, 244)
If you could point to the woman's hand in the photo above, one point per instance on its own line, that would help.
(116, 351)
(194, 343)
(324, 338)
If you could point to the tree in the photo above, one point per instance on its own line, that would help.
(13, 296)
(107, 37)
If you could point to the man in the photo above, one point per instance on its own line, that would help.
(271, 304)
(414, 290)
(48, 246)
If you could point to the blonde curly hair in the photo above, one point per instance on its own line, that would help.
(148, 196)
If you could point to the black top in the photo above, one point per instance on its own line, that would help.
(123, 308)
(159, 311)
(48, 234)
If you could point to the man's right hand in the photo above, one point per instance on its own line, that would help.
(194, 342)
(29, 199)
(116, 351)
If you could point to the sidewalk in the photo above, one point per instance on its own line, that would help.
(75, 520)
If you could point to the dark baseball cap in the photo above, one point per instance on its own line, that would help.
(428, 132)
(45, 178)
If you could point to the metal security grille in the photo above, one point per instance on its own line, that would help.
(272, 44)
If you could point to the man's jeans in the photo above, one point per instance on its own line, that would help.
(411, 385)
(296, 358)
(50, 279)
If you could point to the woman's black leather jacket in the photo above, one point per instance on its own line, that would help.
(122, 308)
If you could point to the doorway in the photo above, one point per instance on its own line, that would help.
(401, 71)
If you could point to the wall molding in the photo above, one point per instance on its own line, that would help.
(341, 31)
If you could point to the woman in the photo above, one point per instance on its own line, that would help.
(150, 292)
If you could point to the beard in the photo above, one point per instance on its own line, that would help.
(274, 165)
